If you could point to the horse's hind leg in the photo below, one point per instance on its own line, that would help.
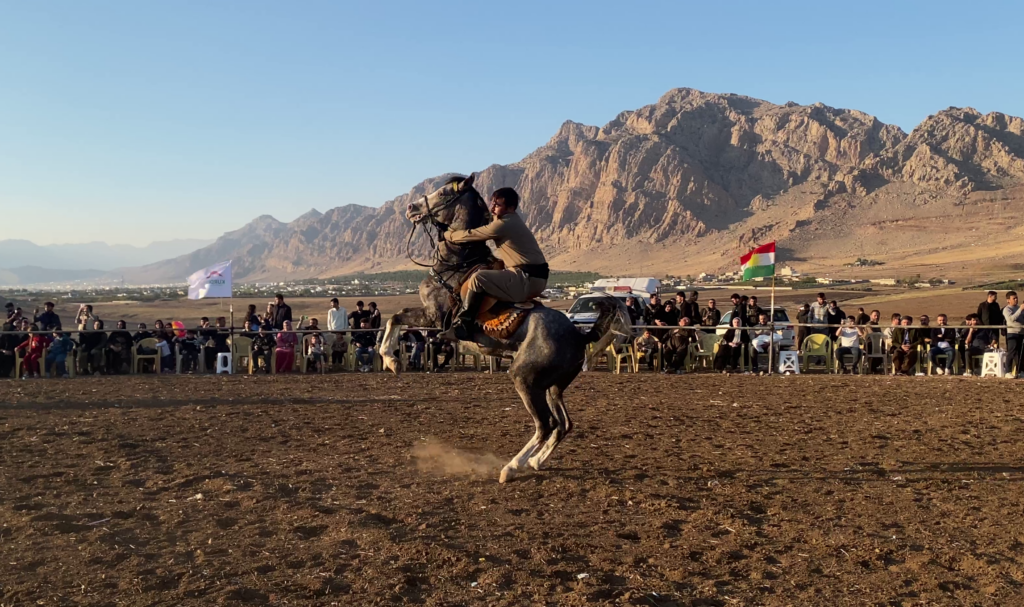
(536, 404)
(564, 425)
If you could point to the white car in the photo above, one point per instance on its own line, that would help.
(779, 316)
(583, 315)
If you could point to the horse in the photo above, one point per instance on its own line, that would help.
(549, 350)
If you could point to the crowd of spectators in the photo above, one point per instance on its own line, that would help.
(676, 324)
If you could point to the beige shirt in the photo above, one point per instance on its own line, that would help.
(515, 241)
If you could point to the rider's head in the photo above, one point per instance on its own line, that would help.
(504, 201)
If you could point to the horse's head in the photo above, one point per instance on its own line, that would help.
(456, 204)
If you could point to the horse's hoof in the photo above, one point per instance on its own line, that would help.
(534, 462)
(507, 474)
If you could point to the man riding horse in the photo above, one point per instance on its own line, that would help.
(526, 270)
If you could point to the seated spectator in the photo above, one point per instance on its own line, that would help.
(141, 333)
(315, 353)
(163, 348)
(189, 347)
(903, 347)
(676, 348)
(731, 346)
(894, 321)
(337, 317)
(314, 329)
(711, 315)
(32, 352)
(366, 344)
(215, 341)
(287, 342)
(943, 339)
(248, 330)
(848, 338)
(339, 348)
(978, 341)
(1013, 318)
(119, 350)
(92, 349)
(418, 343)
(873, 320)
(764, 337)
(49, 318)
(647, 345)
(263, 345)
(9, 341)
(436, 348)
(57, 354)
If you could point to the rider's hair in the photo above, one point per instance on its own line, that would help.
(508, 195)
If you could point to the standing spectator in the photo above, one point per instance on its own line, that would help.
(206, 334)
(690, 308)
(989, 312)
(711, 315)
(730, 349)
(652, 308)
(819, 315)
(834, 318)
(85, 318)
(739, 308)
(251, 316)
(119, 349)
(1013, 318)
(219, 337)
(337, 317)
(803, 318)
(848, 336)
(942, 339)
(48, 318)
(862, 318)
(356, 317)
(754, 311)
(282, 312)
(263, 346)
(57, 354)
(189, 347)
(92, 349)
(903, 347)
(287, 341)
(634, 310)
(647, 345)
(366, 343)
(8, 342)
(268, 316)
(374, 315)
(11, 315)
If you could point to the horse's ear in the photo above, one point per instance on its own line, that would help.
(468, 181)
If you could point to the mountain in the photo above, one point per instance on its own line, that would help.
(90, 256)
(681, 186)
(31, 275)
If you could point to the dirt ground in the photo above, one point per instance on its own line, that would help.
(373, 490)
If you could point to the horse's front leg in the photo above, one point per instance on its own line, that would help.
(389, 345)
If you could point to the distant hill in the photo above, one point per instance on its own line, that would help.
(686, 184)
(91, 256)
(27, 275)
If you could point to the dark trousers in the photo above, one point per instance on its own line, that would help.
(728, 356)
(904, 361)
(189, 361)
(6, 365)
(674, 360)
(436, 350)
(337, 357)
(267, 356)
(117, 361)
(1014, 342)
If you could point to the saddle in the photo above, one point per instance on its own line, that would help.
(499, 319)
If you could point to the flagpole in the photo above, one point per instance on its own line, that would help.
(771, 339)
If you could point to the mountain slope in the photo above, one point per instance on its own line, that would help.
(90, 256)
(681, 185)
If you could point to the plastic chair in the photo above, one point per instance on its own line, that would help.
(879, 349)
(241, 352)
(405, 350)
(837, 364)
(656, 355)
(149, 342)
(461, 353)
(817, 345)
(994, 363)
(619, 354)
(705, 351)
(224, 363)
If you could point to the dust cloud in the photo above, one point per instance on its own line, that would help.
(434, 457)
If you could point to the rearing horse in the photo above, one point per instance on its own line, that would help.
(550, 350)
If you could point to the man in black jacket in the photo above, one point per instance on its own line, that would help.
(689, 308)
(990, 312)
(754, 312)
(834, 317)
(366, 344)
(282, 312)
(7, 345)
(739, 309)
(49, 318)
(119, 349)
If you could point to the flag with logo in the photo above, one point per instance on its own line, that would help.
(214, 281)
(759, 262)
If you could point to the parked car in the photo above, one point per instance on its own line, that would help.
(779, 316)
(583, 314)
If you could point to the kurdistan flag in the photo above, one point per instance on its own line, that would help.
(759, 262)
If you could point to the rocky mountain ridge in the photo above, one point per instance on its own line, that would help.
(708, 172)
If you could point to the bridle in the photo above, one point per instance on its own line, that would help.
(440, 270)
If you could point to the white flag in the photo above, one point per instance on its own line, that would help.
(214, 281)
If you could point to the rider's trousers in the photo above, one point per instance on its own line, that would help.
(507, 285)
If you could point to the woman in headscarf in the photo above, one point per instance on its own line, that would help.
(287, 340)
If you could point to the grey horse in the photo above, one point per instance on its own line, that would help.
(549, 351)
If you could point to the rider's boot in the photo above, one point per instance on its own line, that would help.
(465, 326)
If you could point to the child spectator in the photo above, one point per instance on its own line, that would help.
(33, 347)
(647, 345)
(315, 355)
(263, 348)
(338, 349)
(189, 348)
(57, 354)
(166, 356)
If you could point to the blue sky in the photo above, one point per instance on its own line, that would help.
(131, 121)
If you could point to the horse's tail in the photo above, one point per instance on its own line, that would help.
(612, 322)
